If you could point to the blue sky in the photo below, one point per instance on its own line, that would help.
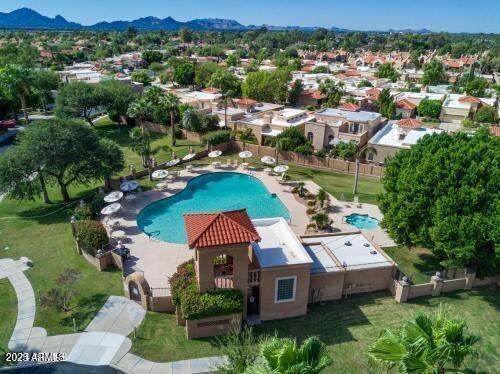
(437, 15)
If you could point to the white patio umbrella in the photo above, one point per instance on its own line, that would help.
(245, 154)
(281, 169)
(159, 174)
(113, 197)
(111, 209)
(128, 186)
(268, 160)
(173, 162)
(214, 154)
(189, 156)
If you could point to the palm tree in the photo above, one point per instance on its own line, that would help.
(425, 344)
(283, 355)
(171, 103)
(141, 144)
(16, 82)
(246, 135)
(322, 198)
(140, 109)
(322, 220)
(227, 98)
(361, 153)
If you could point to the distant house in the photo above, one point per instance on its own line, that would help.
(311, 98)
(457, 107)
(405, 108)
(345, 124)
(397, 135)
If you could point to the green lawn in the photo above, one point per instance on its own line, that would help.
(347, 326)
(417, 263)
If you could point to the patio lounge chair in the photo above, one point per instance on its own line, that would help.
(228, 163)
(235, 164)
(356, 202)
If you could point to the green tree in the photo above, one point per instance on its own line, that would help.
(141, 143)
(364, 83)
(16, 83)
(486, 114)
(79, 99)
(194, 120)
(476, 87)
(434, 73)
(429, 108)
(204, 72)
(442, 194)
(43, 83)
(67, 152)
(285, 356)
(426, 344)
(117, 97)
(141, 77)
(184, 73)
(170, 103)
(361, 153)
(232, 60)
(226, 82)
(386, 70)
(240, 348)
(151, 56)
(386, 104)
(140, 109)
(267, 86)
(186, 35)
(333, 92)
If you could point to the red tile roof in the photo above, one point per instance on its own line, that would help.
(372, 94)
(405, 104)
(469, 99)
(351, 107)
(210, 90)
(495, 130)
(410, 123)
(316, 95)
(214, 229)
(246, 101)
(453, 63)
(352, 73)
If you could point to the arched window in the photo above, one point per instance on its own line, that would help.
(310, 136)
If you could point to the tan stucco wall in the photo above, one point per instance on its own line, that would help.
(326, 286)
(269, 309)
(368, 280)
(383, 151)
(218, 325)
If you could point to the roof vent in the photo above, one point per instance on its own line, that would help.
(348, 243)
(366, 244)
(374, 252)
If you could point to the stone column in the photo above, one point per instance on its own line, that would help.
(402, 290)
(437, 281)
(470, 277)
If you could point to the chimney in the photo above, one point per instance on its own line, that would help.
(267, 118)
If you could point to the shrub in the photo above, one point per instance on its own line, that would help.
(83, 212)
(311, 226)
(96, 203)
(311, 203)
(183, 279)
(429, 108)
(217, 137)
(210, 304)
(469, 124)
(322, 153)
(311, 211)
(92, 235)
(486, 114)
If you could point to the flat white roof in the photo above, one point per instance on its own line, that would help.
(418, 96)
(278, 246)
(351, 251)
(322, 260)
(360, 116)
(390, 135)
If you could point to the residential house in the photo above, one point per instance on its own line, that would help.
(405, 108)
(345, 124)
(397, 135)
(457, 107)
(311, 98)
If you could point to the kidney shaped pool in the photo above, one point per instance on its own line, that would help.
(214, 192)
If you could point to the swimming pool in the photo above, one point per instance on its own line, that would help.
(214, 192)
(362, 221)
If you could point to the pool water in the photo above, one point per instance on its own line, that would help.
(214, 192)
(362, 221)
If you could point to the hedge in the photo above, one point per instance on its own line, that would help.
(195, 305)
(217, 137)
(92, 235)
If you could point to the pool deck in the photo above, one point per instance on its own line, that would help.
(158, 260)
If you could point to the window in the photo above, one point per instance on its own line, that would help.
(285, 289)
(370, 156)
(310, 136)
(402, 137)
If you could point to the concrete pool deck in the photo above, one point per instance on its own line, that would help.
(158, 260)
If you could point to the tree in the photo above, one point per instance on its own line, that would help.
(170, 103)
(322, 69)
(429, 108)
(442, 194)
(141, 77)
(79, 99)
(69, 152)
(204, 72)
(151, 56)
(476, 87)
(486, 114)
(141, 144)
(322, 198)
(194, 120)
(295, 91)
(285, 356)
(267, 86)
(386, 70)
(364, 83)
(117, 97)
(240, 348)
(16, 84)
(43, 83)
(186, 35)
(361, 154)
(434, 73)
(333, 92)
(232, 60)
(184, 73)
(140, 109)
(386, 104)
(60, 296)
(426, 344)
(226, 82)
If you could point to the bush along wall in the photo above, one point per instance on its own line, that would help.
(195, 305)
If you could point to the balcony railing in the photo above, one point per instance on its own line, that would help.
(254, 277)
(224, 282)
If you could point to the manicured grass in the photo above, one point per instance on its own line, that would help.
(49, 244)
(120, 134)
(347, 326)
(8, 304)
(419, 264)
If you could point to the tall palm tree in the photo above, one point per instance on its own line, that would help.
(16, 82)
(141, 144)
(227, 98)
(425, 344)
(361, 153)
(284, 356)
(171, 103)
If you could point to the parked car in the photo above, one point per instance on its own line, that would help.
(8, 124)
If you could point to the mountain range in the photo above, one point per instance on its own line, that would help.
(25, 18)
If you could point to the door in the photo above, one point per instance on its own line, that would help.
(253, 301)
